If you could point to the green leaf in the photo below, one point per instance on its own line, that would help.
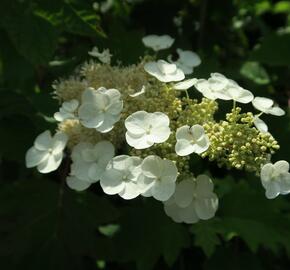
(148, 234)
(33, 37)
(255, 72)
(50, 228)
(274, 50)
(206, 235)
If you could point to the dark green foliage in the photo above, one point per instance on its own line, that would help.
(43, 225)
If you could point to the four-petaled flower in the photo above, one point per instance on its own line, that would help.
(47, 152)
(100, 109)
(220, 87)
(191, 140)
(186, 61)
(266, 105)
(193, 199)
(164, 71)
(144, 129)
(89, 163)
(158, 43)
(275, 178)
(121, 177)
(159, 177)
(67, 110)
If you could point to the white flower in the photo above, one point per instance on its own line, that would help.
(192, 200)
(67, 110)
(158, 43)
(187, 61)
(139, 93)
(159, 177)
(266, 105)
(47, 152)
(164, 71)
(89, 163)
(121, 177)
(184, 85)
(260, 124)
(275, 178)
(191, 140)
(104, 57)
(220, 87)
(144, 129)
(100, 109)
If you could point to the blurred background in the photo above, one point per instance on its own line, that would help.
(44, 226)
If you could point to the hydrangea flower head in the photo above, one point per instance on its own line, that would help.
(100, 109)
(158, 43)
(47, 152)
(164, 71)
(144, 129)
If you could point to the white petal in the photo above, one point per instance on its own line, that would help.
(173, 211)
(59, 142)
(158, 119)
(137, 141)
(111, 182)
(130, 191)
(51, 163)
(34, 157)
(104, 151)
(184, 147)
(169, 170)
(188, 214)
(206, 207)
(95, 172)
(158, 42)
(197, 132)
(70, 106)
(80, 169)
(201, 145)
(184, 133)
(135, 122)
(90, 115)
(204, 185)
(162, 191)
(272, 190)
(184, 192)
(184, 85)
(276, 111)
(159, 134)
(266, 174)
(240, 95)
(43, 141)
(108, 123)
(188, 58)
(281, 166)
(139, 93)
(77, 184)
(260, 124)
(285, 183)
(262, 104)
(152, 166)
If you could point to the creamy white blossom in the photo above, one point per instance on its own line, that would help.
(159, 177)
(144, 129)
(266, 105)
(121, 177)
(191, 140)
(184, 85)
(67, 110)
(47, 152)
(260, 124)
(220, 87)
(158, 43)
(193, 200)
(164, 71)
(187, 61)
(89, 163)
(100, 109)
(275, 178)
(104, 56)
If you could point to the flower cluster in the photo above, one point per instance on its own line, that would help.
(135, 130)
